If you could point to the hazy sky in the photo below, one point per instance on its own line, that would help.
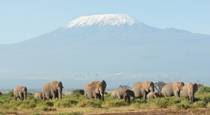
(24, 19)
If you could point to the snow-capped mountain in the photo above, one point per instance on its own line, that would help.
(101, 47)
(102, 20)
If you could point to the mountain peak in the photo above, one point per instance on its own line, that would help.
(102, 20)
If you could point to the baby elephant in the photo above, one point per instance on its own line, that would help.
(39, 96)
(189, 90)
(20, 92)
(123, 93)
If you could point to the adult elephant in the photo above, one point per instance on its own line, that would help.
(172, 89)
(95, 89)
(141, 89)
(123, 93)
(53, 90)
(39, 95)
(20, 92)
(189, 90)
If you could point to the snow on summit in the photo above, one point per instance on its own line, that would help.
(102, 20)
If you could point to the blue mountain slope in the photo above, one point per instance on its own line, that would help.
(124, 53)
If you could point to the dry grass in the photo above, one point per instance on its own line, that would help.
(77, 104)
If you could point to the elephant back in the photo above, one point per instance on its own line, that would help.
(20, 88)
(56, 84)
(118, 93)
(178, 85)
(91, 86)
(46, 87)
(146, 86)
(167, 89)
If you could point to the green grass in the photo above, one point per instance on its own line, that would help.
(77, 99)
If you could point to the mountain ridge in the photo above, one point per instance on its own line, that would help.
(138, 52)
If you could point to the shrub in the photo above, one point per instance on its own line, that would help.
(90, 103)
(199, 104)
(162, 103)
(116, 103)
(78, 92)
(184, 104)
(203, 89)
(42, 107)
(66, 102)
(140, 104)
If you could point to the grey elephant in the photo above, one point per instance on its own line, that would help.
(53, 90)
(20, 92)
(39, 96)
(172, 89)
(95, 89)
(141, 89)
(152, 95)
(123, 93)
(189, 90)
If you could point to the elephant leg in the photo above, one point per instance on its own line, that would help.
(52, 94)
(177, 93)
(85, 94)
(60, 95)
(47, 95)
(144, 95)
(191, 98)
(102, 97)
(16, 98)
(19, 95)
(24, 96)
(127, 98)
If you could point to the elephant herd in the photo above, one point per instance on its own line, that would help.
(148, 90)
(96, 89)
(51, 90)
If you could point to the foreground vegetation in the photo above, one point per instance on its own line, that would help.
(76, 104)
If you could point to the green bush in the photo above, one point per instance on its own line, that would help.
(78, 92)
(199, 104)
(140, 104)
(165, 102)
(203, 94)
(116, 103)
(66, 102)
(90, 103)
(204, 89)
(184, 104)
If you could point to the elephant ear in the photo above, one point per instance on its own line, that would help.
(195, 86)
(179, 85)
(152, 85)
(60, 84)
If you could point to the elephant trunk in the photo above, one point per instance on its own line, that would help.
(191, 96)
(60, 93)
(102, 95)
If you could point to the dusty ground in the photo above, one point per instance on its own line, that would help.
(118, 111)
(114, 111)
(162, 112)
